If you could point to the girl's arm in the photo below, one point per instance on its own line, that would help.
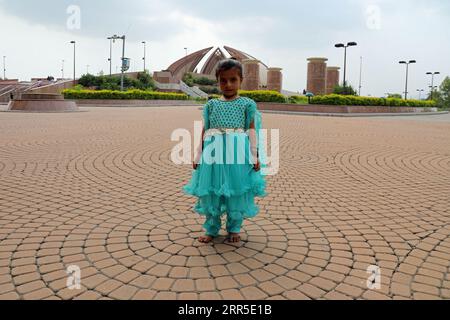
(199, 151)
(254, 145)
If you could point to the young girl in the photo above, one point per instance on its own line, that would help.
(229, 185)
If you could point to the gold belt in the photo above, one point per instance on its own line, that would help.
(213, 131)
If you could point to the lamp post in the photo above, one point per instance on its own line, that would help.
(341, 45)
(74, 61)
(4, 67)
(115, 37)
(420, 93)
(407, 69)
(185, 68)
(360, 76)
(144, 43)
(87, 69)
(432, 82)
(62, 70)
(111, 40)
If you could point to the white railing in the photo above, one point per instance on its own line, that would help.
(193, 92)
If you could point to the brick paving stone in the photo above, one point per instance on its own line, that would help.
(370, 204)
(144, 294)
(123, 292)
(253, 293)
(205, 285)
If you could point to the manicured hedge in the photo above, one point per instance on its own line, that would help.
(335, 99)
(263, 96)
(297, 99)
(122, 95)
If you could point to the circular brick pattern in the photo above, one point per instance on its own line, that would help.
(98, 190)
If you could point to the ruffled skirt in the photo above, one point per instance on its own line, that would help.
(225, 181)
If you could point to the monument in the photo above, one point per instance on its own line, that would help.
(42, 102)
(257, 75)
(321, 78)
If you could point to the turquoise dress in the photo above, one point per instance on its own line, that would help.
(228, 186)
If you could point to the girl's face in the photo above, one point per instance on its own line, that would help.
(230, 82)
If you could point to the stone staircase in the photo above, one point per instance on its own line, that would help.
(193, 92)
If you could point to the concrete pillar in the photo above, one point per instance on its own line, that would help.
(332, 78)
(251, 74)
(274, 79)
(317, 75)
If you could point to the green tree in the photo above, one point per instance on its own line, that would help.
(347, 91)
(88, 80)
(395, 96)
(442, 96)
(145, 81)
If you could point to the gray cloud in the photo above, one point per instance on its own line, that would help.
(282, 33)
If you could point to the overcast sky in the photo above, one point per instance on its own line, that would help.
(35, 36)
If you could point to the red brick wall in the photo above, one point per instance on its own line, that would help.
(334, 109)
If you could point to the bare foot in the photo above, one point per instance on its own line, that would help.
(234, 237)
(205, 238)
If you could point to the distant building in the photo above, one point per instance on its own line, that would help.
(257, 75)
(321, 78)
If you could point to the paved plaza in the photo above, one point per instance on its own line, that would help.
(97, 190)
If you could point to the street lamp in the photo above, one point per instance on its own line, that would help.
(185, 68)
(432, 82)
(124, 60)
(144, 43)
(407, 68)
(360, 76)
(111, 41)
(62, 70)
(4, 67)
(341, 45)
(420, 93)
(74, 63)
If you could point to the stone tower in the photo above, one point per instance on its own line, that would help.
(332, 79)
(274, 79)
(251, 74)
(317, 75)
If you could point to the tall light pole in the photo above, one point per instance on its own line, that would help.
(62, 70)
(87, 69)
(432, 82)
(74, 61)
(407, 69)
(111, 40)
(341, 45)
(4, 67)
(115, 37)
(420, 93)
(360, 76)
(185, 68)
(144, 43)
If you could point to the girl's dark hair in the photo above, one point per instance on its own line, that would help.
(228, 64)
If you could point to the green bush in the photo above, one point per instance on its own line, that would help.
(144, 81)
(210, 90)
(191, 81)
(122, 95)
(297, 99)
(347, 90)
(203, 81)
(263, 96)
(335, 99)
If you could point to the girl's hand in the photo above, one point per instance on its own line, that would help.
(257, 166)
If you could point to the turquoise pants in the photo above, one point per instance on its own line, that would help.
(213, 224)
